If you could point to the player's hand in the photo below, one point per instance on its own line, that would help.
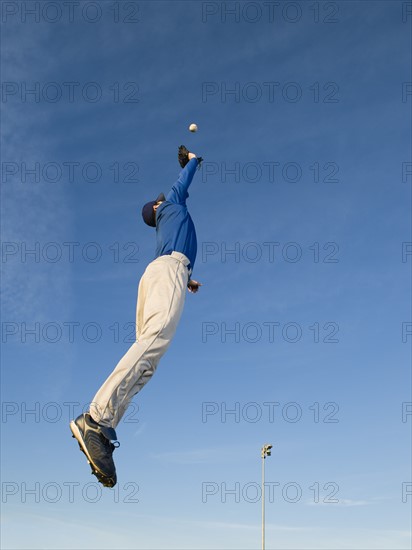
(193, 286)
(191, 156)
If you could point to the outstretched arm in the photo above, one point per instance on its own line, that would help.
(179, 191)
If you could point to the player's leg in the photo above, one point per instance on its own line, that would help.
(94, 439)
(163, 290)
(161, 300)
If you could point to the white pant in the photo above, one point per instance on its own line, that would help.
(161, 297)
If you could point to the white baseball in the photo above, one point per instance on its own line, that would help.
(193, 127)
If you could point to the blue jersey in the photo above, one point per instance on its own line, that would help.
(175, 230)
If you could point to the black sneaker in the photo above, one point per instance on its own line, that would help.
(95, 441)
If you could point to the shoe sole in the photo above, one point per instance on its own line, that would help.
(102, 478)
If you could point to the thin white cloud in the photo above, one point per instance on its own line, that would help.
(33, 214)
(345, 502)
(195, 456)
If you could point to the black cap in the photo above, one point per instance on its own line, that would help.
(149, 215)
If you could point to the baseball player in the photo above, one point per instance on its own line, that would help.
(161, 297)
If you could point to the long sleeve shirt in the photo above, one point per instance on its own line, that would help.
(175, 230)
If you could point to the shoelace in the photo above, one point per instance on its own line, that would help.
(110, 445)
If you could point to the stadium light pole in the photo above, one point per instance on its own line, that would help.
(266, 451)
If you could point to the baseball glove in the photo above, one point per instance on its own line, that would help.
(183, 156)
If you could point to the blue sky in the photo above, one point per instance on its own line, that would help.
(300, 336)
